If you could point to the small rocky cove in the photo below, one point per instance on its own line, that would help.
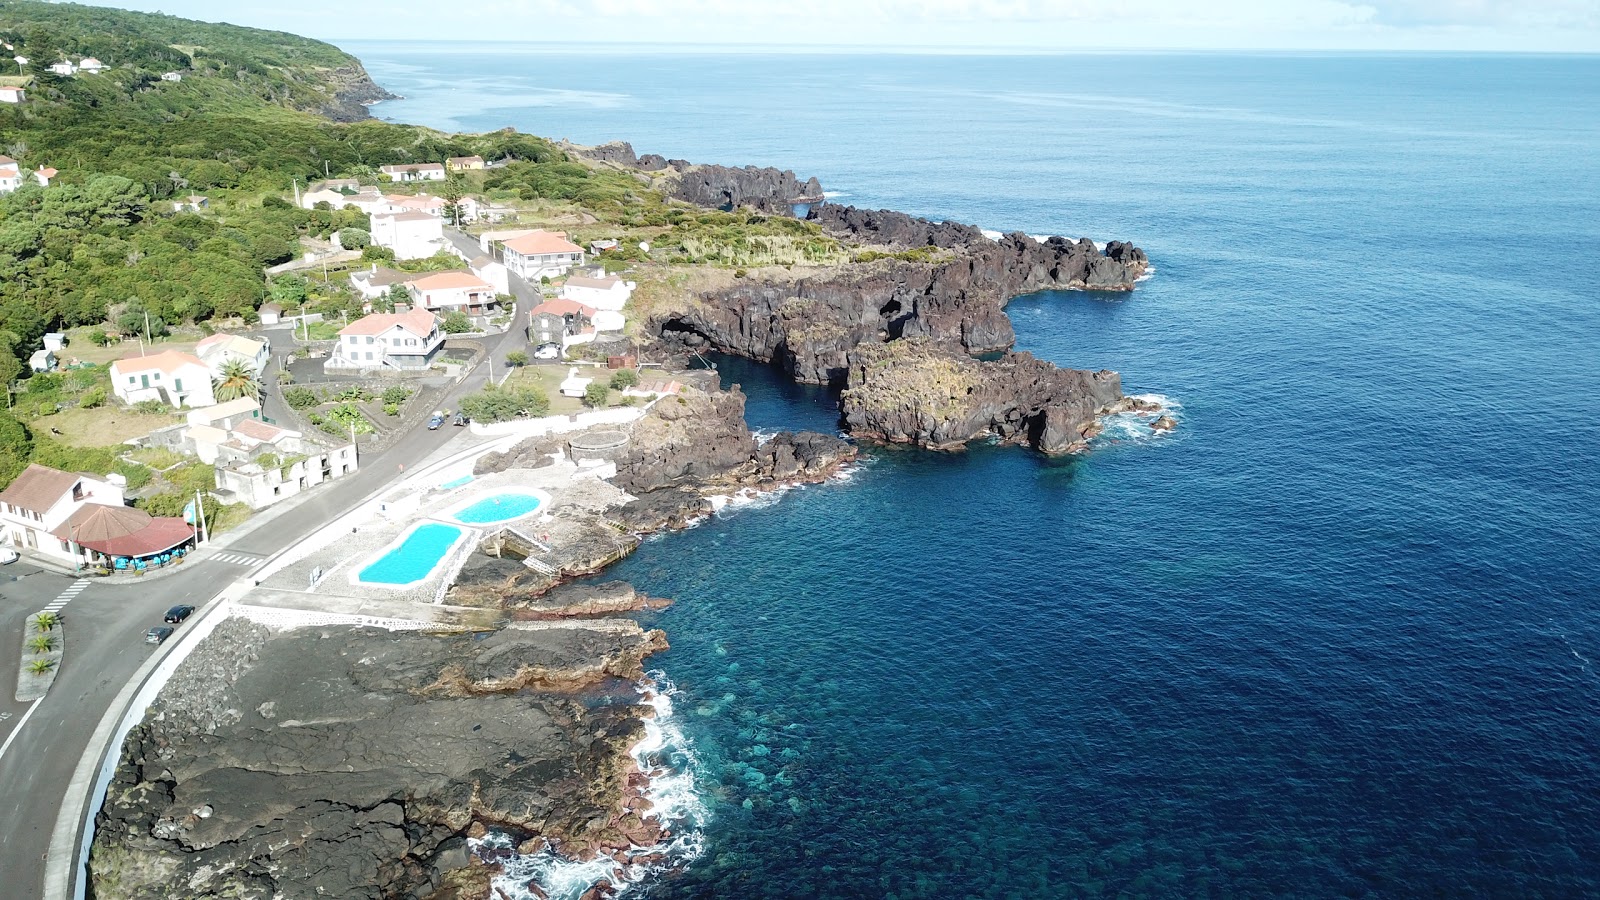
(345, 761)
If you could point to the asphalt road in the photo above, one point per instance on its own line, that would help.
(105, 625)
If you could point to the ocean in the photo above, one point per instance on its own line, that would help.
(1335, 636)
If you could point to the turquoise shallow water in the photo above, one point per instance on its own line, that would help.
(1336, 636)
(415, 556)
(498, 508)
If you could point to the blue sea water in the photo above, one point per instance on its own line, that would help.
(1335, 636)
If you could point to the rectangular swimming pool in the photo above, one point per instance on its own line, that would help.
(414, 558)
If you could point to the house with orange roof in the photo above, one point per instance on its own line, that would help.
(411, 235)
(460, 291)
(82, 519)
(560, 321)
(10, 174)
(406, 341)
(9, 94)
(540, 254)
(175, 378)
(43, 175)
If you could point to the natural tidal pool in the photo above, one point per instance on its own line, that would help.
(413, 558)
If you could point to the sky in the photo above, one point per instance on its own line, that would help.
(949, 25)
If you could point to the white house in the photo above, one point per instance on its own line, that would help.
(42, 360)
(10, 94)
(91, 65)
(574, 385)
(64, 68)
(335, 199)
(55, 340)
(465, 163)
(406, 341)
(541, 254)
(178, 379)
(216, 350)
(486, 268)
(226, 415)
(10, 174)
(259, 464)
(601, 292)
(271, 312)
(415, 172)
(411, 235)
(192, 203)
(171, 76)
(43, 174)
(444, 292)
(375, 282)
(77, 518)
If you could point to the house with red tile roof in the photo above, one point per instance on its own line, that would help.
(406, 341)
(10, 174)
(175, 378)
(446, 292)
(9, 94)
(540, 254)
(81, 519)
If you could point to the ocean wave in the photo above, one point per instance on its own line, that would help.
(1148, 272)
(994, 235)
(667, 759)
(1133, 427)
(834, 195)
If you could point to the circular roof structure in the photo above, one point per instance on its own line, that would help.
(600, 440)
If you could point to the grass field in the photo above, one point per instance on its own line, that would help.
(102, 427)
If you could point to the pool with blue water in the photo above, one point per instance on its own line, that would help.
(499, 507)
(414, 558)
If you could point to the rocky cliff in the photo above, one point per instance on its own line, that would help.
(242, 782)
(923, 392)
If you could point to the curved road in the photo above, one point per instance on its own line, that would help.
(41, 743)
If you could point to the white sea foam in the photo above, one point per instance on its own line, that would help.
(1134, 427)
(994, 235)
(831, 195)
(1148, 272)
(668, 760)
(747, 498)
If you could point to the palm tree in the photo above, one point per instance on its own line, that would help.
(43, 643)
(236, 379)
(46, 621)
(41, 666)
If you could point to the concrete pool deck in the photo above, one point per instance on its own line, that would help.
(341, 559)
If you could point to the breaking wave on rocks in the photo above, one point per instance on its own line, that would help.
(1134, 425)
(667, 759)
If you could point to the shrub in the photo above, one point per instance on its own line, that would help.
(517, 358)
(99, 338)
(41, 666)
(395, 394)
(502, 404)
(45, 621)
(300, 397)
(391, 409)
(151, 407)
(93, 398)
(456, 322)
(622, 379)
(354, 238)
(596, 394)
(343, 418)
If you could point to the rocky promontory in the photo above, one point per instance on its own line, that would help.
(943, 285)
(351, 762)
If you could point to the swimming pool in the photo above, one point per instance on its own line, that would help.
(454, 483)
(502, 506)
(413, 557)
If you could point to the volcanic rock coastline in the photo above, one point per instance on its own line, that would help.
(937, 287)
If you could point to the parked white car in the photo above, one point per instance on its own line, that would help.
(8, 556)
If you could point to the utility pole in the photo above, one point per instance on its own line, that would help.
(303, 321)
(146, 331)
(200, 514)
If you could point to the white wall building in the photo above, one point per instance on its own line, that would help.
(10, 174)
(495, 273)
(541, 254)
(415, 172)
(598, 292)
(77, 518)
(411, 235)
(177, 379)
(259, 464)
(406, 341)
(10, 94)
(218, 349)
(444, 292)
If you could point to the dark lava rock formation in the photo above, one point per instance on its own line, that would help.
(943, 283)
(922, 392)
(700, 439)
(349, 762)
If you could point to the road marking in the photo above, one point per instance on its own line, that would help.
(241, 559)
(18, 730)
(67, 595)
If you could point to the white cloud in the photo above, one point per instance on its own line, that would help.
(897, 24)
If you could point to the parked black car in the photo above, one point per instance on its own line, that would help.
(459, 420)
(157, 634)
(177, 614)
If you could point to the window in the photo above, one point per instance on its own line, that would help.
(177, 384)
(369, 354)
(132, 379)
(77, 491)
(370, 340)
(352, 339)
